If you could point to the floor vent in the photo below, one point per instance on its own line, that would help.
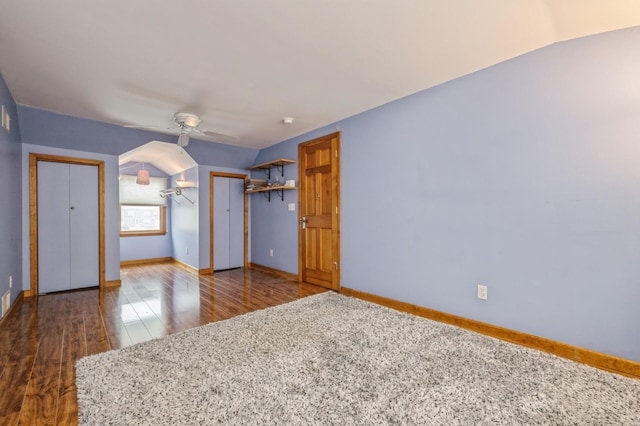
(6, 303)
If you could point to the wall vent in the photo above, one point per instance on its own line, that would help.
(6, 303)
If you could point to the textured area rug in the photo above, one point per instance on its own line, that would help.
(331, 359)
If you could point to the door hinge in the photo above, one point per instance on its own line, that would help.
(335, 264)
(336, 153)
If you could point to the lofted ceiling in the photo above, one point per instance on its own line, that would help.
(244, 65)
(167, 157)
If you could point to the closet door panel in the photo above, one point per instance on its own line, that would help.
(84, 251)
(221, 223)
(236, 223)
(53, 227)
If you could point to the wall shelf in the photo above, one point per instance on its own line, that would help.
(269, 189)
(278, 164)
(266, 168)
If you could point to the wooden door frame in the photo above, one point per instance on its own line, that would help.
(33, 214)
(335, 218)
(211, 219)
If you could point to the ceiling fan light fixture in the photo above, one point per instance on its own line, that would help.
(183, 139)
(186, 119)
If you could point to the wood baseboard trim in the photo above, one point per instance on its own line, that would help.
(12, 307)
(185, 266)
(149, 261)
(599, 360)
(278, 272)
(125, 263)
(112, 283)
(28, 293)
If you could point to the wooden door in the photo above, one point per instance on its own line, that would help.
(319, 237)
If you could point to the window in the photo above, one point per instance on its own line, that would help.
(142, 209)
(142, 220)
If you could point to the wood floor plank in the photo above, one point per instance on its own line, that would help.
(41, 400)
(41, 396)
(95, 333)
(44, 336)
(11, 419)
(14, 381)
(74, 348)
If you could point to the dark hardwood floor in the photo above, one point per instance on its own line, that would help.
(43, 336)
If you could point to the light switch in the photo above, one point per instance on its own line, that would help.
(292, 207)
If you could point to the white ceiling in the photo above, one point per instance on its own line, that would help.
(244, 65)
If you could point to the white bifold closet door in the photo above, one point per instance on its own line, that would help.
(228, 223)
(68, 233)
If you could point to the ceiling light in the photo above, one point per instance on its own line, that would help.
(191, 121)
(143, 176)
(180, 182)
(183, 139)
(186, 119)
(287, 120)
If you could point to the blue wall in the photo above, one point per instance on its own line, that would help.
(111, 207)
(48, 132)
(204, 197)
(271, 217)
(150, 246)
(185, 220)
(62, 131)
(524, 177)
(190, 229)
(10, 214)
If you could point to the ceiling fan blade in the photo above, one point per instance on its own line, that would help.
(154, 128)
(216, 134)
(131, 126)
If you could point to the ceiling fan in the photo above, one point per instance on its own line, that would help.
(186, 125)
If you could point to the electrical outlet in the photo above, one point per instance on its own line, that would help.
(482, 292)
(10, 281)
(186, 250)
(271, 252)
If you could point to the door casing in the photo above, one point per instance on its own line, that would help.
(334, 139)
(33, 214)
(211, 218)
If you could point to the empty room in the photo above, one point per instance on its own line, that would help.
(299, 212)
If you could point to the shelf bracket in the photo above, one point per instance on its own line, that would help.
(280, 193)
(267, 171)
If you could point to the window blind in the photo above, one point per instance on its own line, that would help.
(142, 195)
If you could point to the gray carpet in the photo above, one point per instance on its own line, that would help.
(331, 359)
